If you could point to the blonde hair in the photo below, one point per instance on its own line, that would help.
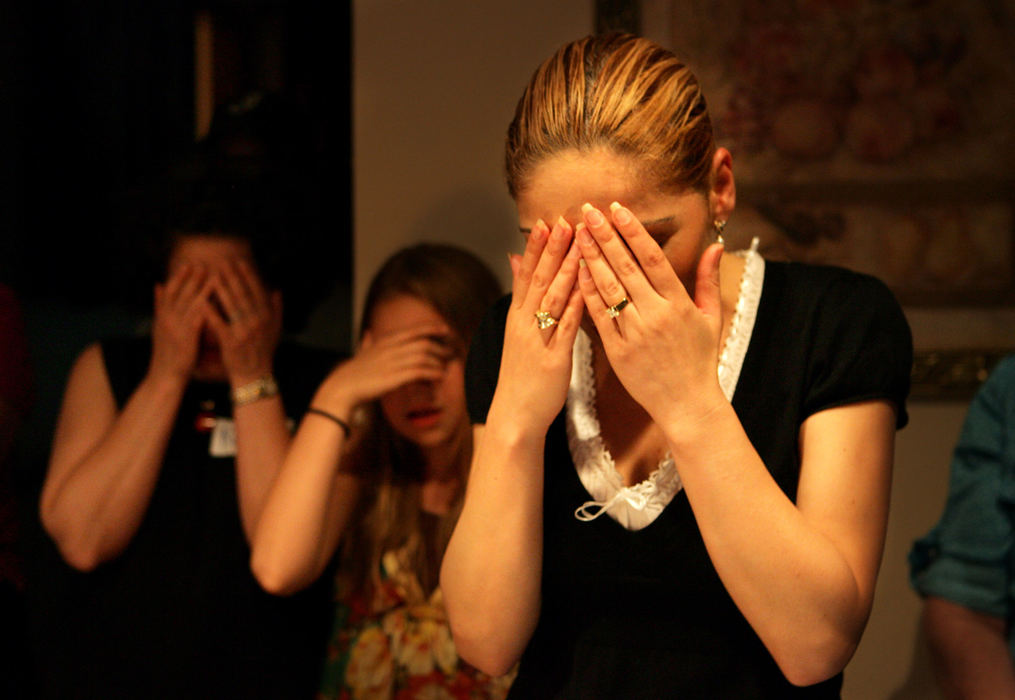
(620, 92)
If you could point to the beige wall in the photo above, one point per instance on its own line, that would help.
(892, 661)
(435, 84)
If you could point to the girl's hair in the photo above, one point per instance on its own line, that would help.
(620, 92)
(460, 288)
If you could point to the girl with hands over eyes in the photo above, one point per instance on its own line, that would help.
(686, 495)
(374, 477)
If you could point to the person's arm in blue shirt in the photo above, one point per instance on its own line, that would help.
(962, 566)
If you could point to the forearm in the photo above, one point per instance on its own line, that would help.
(790, 581)
(493, 565)
(970, 651)
(308, 507)
(261, 442)
(96, 505)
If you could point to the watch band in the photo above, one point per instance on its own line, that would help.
(263, 388)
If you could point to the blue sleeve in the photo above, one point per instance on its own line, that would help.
(966, 557)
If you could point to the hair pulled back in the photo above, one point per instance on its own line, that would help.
(615, 91)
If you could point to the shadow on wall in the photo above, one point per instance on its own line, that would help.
(919, 683)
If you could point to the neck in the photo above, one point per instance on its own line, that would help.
(441, 462)
(442, 474)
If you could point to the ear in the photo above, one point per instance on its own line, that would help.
(723, 196)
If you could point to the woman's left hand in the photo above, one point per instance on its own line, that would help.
(662, 345)
(249, 323)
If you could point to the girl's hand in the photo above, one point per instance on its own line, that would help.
(535, 368)
(383, 364)
(180, 307)
(663, 346)
(248, 323)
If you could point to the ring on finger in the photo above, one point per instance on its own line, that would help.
(544, 320)
(615, 310)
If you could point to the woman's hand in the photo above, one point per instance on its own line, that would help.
(535, 368)
(248, 323)
(661, 328)
(383, 364)
(181, 305)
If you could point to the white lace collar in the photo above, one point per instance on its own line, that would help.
(635, 507)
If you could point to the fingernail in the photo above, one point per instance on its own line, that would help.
(562, 222)
(581, 262)
(539, 230)
(592, 215)
(620, 214)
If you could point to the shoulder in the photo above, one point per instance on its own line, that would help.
(845, 330)
(833, 299)
(90, 361)
(828, 282)
(995, 399)
(1002, 378)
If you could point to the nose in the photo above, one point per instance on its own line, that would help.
(422, 388)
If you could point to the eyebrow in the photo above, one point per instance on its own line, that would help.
(645, 224)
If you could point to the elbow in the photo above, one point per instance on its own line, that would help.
(490, 644)
(80, 555)
(275, 579)
(84, 561)
(484, 653)
(816, 661)
(78, 552)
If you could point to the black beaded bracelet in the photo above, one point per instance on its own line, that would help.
(341, 423)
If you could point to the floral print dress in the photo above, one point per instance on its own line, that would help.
(398, 646)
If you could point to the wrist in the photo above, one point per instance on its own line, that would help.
(248, 376)
(508, 426)
(263, 387)
(166, 383)
(334, 397)
(695, 426)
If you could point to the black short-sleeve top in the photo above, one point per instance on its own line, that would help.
(643, 613)
(179, 613)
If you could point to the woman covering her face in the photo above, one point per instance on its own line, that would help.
(376, 473)
(682, 454)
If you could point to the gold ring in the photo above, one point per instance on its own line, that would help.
(545, 320)
(615, 310)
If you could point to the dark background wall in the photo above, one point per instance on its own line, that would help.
(98, 106)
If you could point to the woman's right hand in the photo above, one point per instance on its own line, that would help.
(535, 367)
(180, 307)
(383, 364)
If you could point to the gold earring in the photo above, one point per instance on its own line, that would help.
(719, 226)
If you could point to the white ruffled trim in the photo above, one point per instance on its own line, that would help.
(635, 507)
(731, 361)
